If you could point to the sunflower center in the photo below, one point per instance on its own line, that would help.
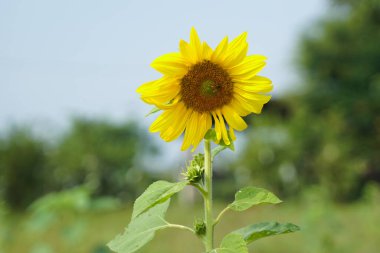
(206, 86)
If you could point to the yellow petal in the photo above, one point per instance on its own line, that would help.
(250, 105)
(186, 52)
(146, 87)
(218, 130)
(241, 110)
(236, 57)
(256, 80)
(219, 52)
(233, 119)
(157, 85)
(232, 133)
(178, 124)
(249, 74)
(163, 95)
(238, 41)
(195, 44)
(254, 84)
(159, 91)
(240, 88)
(162, 121)
(191, 129)
(236, 51)
(223, 128)
(172, 64)
(169, 105)
(254, 96)
(204, 124)
(207, 51)
(250, 62)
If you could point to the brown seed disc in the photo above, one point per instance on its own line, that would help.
(206, 87)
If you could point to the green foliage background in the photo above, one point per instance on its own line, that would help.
(329, 132)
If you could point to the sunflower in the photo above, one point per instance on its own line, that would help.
(202, 88)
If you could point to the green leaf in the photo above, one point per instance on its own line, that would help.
(157, 192)
(141, 230)
(264, 229)
(232, 243)
(230, 146)
(217, 150)
(250, 196)
(154, 110)
(211, 136)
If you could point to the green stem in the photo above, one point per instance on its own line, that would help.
(200, 189)
(180, 227)
(209, 220)
(221, 215)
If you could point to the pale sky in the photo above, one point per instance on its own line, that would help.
(87, 57)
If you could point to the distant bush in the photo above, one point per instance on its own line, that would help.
(23, 168)
(102, 155)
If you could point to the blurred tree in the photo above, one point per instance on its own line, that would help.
(269, 155)
(331, 133)
(342, 69)
(22, 168)
(102, 155)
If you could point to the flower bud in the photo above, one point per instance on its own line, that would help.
(195, 169)
(200, 227)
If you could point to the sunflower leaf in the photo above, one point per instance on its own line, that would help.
(141, 230)
(217, 150)
(211, 136)
(232, 243)
(254, 232)
(154, 110)
(250, 196)
(230, 146)
(156, 193)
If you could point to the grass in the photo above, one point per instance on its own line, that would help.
(326, 227)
